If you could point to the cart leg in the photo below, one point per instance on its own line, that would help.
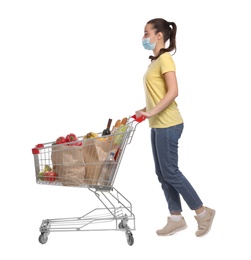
(129, 235)
(45, 231)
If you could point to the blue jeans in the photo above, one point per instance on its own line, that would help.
(165, 153)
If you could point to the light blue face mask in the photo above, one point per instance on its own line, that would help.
(147, 45)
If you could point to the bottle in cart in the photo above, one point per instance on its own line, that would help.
(107, 131)
(108, 170)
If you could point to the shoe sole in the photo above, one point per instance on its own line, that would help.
(210, 224)
(175, 231)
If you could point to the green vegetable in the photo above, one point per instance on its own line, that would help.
(41, 176)
(47, 168)
(118, 138)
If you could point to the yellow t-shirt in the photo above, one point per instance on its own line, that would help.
(155, 90)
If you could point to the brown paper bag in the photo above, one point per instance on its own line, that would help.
(95, 154)
(68, 163)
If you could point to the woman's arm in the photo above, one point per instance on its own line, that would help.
(172, 92)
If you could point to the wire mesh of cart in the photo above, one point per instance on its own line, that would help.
(90, 163)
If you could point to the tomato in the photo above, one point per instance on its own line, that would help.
(50, 176)
(71, 138)
(61, 140)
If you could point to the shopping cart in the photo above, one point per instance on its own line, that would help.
(90, 163)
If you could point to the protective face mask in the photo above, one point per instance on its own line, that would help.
(147, 45)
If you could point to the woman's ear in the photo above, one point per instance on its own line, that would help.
(159, 35)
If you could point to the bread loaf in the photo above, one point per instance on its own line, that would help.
(124, 121)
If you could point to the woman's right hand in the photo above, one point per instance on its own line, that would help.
(138, 114)
(141, 112)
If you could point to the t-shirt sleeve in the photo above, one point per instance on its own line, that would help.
(166, 63)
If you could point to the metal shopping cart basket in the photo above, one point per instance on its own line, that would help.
(90, 163)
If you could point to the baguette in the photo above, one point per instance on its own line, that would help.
(124, 121)
(118, 123)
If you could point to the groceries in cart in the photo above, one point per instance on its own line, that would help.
(47, 174)
(92, 159)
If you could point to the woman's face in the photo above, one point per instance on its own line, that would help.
(150, 33)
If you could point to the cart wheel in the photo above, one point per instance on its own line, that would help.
(43, 238)
(121, 226)
(130, 239)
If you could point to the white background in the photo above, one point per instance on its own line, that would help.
(67, 66)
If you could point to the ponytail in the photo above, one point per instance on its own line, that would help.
(172, 45)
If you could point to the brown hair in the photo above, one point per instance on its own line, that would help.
(168, 29)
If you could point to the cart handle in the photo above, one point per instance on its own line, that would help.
(139, 119)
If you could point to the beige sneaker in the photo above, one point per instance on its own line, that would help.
(172, 227)
(205, 222)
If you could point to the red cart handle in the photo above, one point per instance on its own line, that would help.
(139, 119)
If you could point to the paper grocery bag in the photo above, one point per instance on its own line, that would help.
(68, 163)
(95, 152)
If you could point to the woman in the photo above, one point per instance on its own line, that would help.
(166, 125)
